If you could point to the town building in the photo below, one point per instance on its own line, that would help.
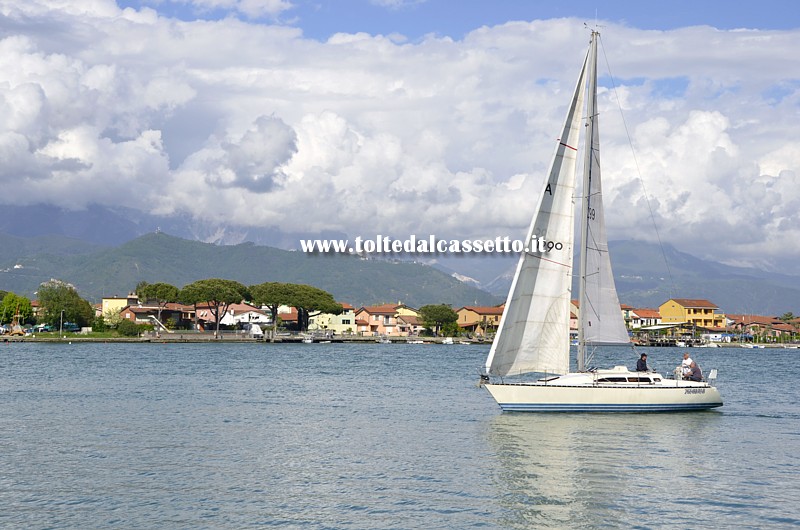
(768, 328)
(288, 317)
(643, 317)
(410, 325)
(480, 320)
(379, 320)
(115, 304)
(341, 324)
(696, 312)
(170, 315)
(236, 315)
(626, 311)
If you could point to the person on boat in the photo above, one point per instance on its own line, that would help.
(641, 364)
(694, 373)
(686, 365)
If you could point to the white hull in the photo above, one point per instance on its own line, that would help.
(587, 392)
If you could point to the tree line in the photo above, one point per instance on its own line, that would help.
(60, 302)
(219, 294)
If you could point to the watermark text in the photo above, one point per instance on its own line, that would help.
(428, 245)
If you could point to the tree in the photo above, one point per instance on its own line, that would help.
(451, 329)
(126, 328)
(436, 316)
(217, 293)
(161, 293)
(271, 295)
(16, 307)
(305, 298)
(112, 318)
(99, 323)
(787, 316)
(56, 296)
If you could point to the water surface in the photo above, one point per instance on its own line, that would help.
(374, 436)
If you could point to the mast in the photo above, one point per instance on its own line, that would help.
(586, 209)
(600, 318)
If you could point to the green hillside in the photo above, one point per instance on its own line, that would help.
(13, 248)
(160, 257)
(641, 276)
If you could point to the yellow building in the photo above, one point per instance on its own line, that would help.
(480, 320)
(341, 324)
(701, 313)
(404, 310)
(116, 304)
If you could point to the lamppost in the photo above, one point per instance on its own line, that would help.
(61, 325)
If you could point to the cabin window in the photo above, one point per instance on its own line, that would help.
(613, 380)
(626, 380)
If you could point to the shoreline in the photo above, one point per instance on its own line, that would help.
(210, 338)
(190, 338)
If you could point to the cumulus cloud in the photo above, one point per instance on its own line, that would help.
(251, 161)
(250, 124)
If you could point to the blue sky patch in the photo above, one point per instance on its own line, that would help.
(777, 93)
(669, 87)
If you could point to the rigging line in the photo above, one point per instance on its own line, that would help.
(639, 173)
(548, 260)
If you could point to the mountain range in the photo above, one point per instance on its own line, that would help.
(107, 251)
(97, 271)
(647, 275)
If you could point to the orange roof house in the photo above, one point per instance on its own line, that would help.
(642, 317)
(146, 313)
(380, 320)
(698, 312)
(480, 319)
(410, 324)
(769, 326)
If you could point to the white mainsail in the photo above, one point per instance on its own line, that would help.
(533, 335)
(600, 319)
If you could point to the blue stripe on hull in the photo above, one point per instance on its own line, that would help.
(604, 407)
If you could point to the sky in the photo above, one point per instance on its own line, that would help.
(401, 117)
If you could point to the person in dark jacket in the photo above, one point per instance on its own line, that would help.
(694, 372)
(641, 364)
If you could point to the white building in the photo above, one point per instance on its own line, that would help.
(245, 314)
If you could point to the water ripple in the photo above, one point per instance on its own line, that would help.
(372, 436)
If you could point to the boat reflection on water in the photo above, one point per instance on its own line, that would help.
(578, 470)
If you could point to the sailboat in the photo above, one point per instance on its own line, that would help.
(533, 335)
